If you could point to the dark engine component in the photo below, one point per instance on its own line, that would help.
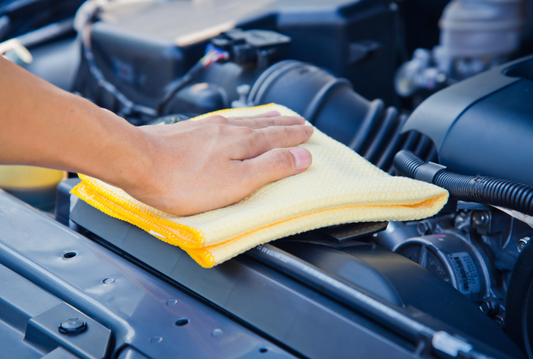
(253, 47)
(328, 102)
(332, 106)
(141, 51)
(519, 315)
(483, 125)
(249, 51)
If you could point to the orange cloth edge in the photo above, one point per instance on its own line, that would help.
(115, 209)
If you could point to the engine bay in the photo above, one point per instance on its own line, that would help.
(456, 113)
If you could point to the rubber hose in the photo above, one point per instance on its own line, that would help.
(481, 189)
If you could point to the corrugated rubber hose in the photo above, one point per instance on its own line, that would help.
(481, 189)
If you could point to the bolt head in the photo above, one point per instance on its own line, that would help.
(522, 242)
(423, 228)
(72, 326)
(480, 219)
(489, 306)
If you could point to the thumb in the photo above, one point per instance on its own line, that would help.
(277, 164)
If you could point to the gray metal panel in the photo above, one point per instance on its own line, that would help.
(139, 308)
(92, 343)
(284, 309)
(13, 346)
(281, 306)
(60, 353)
(29, 321)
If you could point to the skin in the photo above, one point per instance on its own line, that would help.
(184, 168)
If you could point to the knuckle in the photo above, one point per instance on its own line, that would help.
(242, 131)
(271, 121)
(281, 160)
(216, 119)
(285, 135)
(259, 138)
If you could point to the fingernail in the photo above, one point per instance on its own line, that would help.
(271, 114)
(302, 157)
(300, 118)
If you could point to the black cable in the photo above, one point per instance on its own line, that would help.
(178, 84)
(129, 108)
(480, 189)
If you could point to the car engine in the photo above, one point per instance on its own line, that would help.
(433, 90)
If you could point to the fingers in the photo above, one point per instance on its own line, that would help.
(262, 122)
(265, 139)
(261, 115)
(275, 165)
(267, 119)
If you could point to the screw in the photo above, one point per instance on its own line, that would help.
(462, 219)
(480, 219)
(522, 242)
(72, 326)
(489, 306)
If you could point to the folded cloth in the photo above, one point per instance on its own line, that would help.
(339, 187)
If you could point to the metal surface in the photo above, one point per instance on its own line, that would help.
(522, 242)
(279, 305)
(140, 309)
(285, 310)
(477, 247)
(29, 318)
(452, 258)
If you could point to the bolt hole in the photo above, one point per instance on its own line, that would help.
(181, 322)
(263, 350)
(69, 255)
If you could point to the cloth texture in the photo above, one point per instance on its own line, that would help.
(339, 187)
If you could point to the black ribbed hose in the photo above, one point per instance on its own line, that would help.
(486, 190)
(329, 103)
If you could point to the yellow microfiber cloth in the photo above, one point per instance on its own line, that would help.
(339, 187)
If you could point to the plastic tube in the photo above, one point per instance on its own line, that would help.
(481, 189)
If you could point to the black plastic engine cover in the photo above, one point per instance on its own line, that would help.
(483, 125)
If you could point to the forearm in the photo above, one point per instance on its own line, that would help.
(43, 125)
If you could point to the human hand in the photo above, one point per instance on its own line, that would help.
(185, 168)
(196, 166)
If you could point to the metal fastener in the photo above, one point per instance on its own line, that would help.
(423, 228)
(522, 242)
(489, 306)
(72, 326)
(480, 218)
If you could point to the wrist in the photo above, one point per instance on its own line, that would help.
(128, 160)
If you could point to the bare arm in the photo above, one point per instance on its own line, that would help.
(183, 169)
